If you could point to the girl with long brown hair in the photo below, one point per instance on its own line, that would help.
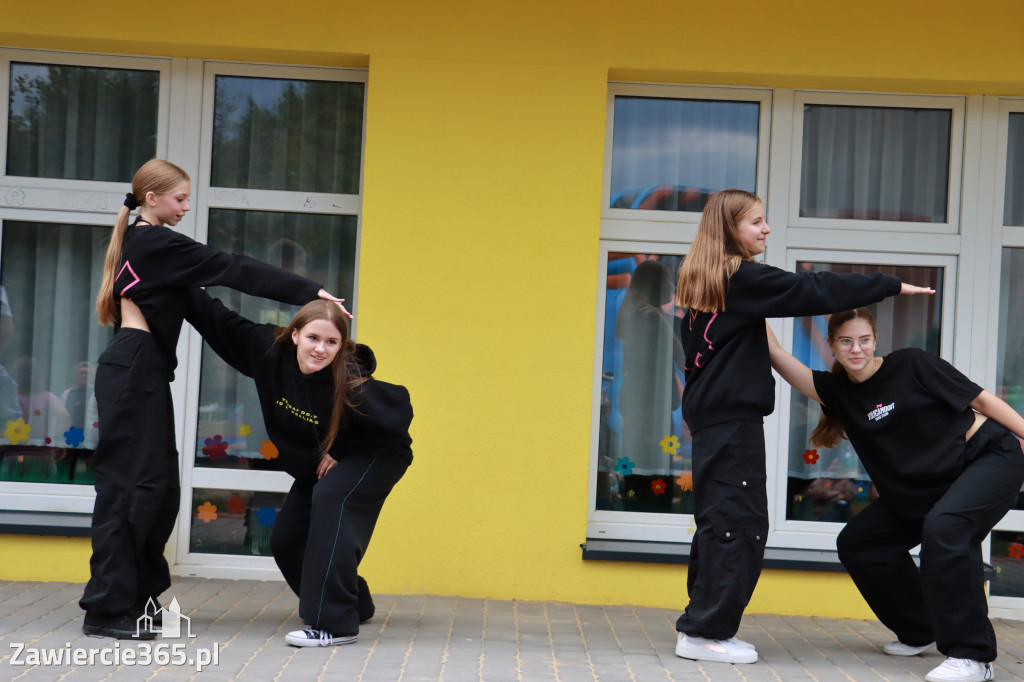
(729, 390)
(343, 436)
(147, 276)
(942, 454)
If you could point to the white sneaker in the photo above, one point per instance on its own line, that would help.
(898, 648)
(314, 637)
(736, 641)
(960, 670)
(725, 650)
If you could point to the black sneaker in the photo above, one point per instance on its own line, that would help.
(365, 607)
(314, 637)
(119, 625)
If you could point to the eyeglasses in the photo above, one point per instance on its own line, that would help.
(846, 343)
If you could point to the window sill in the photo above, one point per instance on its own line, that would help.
(679, 553)
(68, 524)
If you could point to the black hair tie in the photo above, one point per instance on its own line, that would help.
(130, 201)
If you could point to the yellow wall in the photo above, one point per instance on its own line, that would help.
(478, 270)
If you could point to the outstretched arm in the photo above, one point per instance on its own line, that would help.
(797, 374)
(239, 341)
(996, 408)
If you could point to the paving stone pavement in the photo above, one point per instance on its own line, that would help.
(419, 637)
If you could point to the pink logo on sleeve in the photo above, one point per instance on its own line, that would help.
(128, 266)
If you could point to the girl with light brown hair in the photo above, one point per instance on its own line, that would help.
(729, 390)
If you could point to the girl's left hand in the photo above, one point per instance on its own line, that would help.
(326, 464)
(331, 297)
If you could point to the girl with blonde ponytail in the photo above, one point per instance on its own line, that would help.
(727, 295)
(148, 274)
(943, 455)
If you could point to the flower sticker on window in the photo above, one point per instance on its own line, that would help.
(17, 430)
(685, 481)
(811, 456)
(236, 504)
(624, 465)
(266, 516)
(658, 485)
(207, 511)
(216, 448)
(1016, 550)
(268, 450)
(669, 444)
(74, 437)
(244, 430)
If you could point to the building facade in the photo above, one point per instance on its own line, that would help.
(493, 187)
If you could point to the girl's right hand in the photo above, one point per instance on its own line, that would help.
(331, 297)
(911, 289)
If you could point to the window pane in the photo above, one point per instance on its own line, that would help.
(670, 154)
(282, 134)
(831, 484)
(322, 247)
(1008, 562)
(1010, 339)
(49, 341)
(233, 521)
(875, 163)
(643, 447)
(81, 123)
(1013, 206)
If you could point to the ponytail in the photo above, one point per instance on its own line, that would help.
(106, 309)
(829, 430)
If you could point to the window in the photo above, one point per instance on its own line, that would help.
(283, 177)
(855, 183)
(831, 484)
(74, 130)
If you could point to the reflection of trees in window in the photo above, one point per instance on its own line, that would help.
(287, 135)
(81, 123)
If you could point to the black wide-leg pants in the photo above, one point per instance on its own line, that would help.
(135, 467)
(322, 533)
(731, 515)
(943, 602)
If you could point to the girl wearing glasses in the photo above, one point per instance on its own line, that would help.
(942, 454)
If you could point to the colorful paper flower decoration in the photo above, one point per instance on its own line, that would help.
(266, 516)
(17, 430)
(624, 465)
(658, 485)
(236, 504)
(811, 456)
(669, 444)
(207, 512)
(1016, 550)
(216, 448)
(244, 430)
(268, 450)
(685, 481)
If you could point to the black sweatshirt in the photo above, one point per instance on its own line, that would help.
(728, 367)
(159, 266)
(297, 407)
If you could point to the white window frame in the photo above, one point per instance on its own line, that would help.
(821, 535)
(63, 201)
(617, 525)
(956, 104)
(674, 226)
(1010, 236)
(202, 84)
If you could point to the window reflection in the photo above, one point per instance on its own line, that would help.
(830, 484)
(671, 154)
(230, 431)
(233, 521)
(644, 449)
